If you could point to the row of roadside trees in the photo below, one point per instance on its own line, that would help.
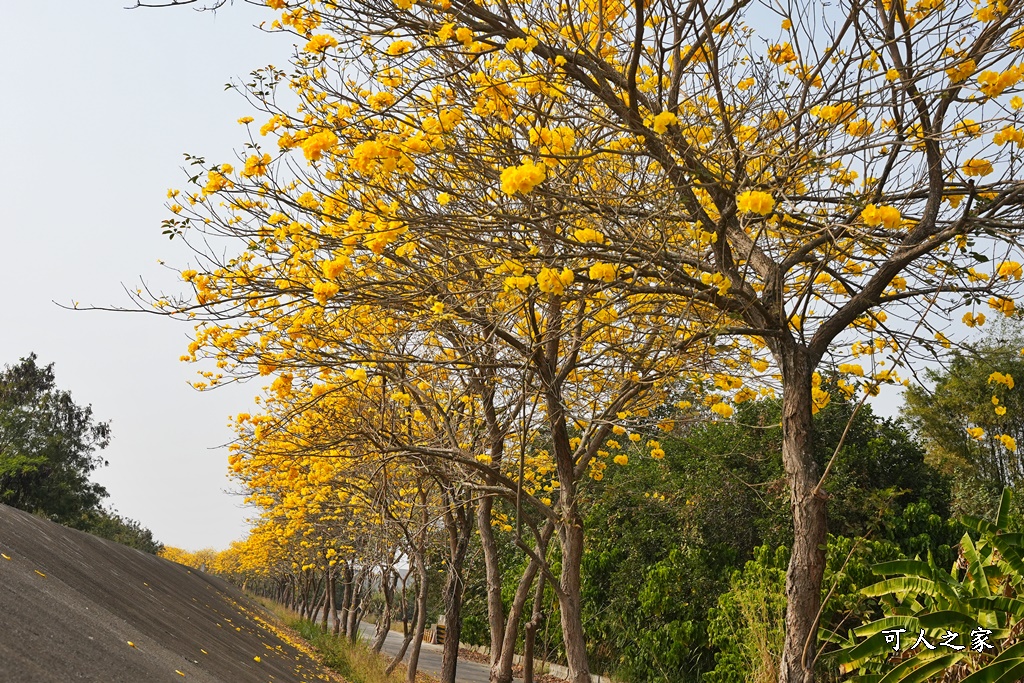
(484, 251)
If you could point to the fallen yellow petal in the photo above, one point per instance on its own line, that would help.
(203, 651)
(40, 573)
(180, 673)
(4, 556)
(256, 658)
(131, 644)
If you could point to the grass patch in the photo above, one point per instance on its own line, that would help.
(356, 662)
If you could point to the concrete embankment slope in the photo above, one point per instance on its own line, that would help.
(74, 607)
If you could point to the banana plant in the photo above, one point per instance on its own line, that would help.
(981, 596)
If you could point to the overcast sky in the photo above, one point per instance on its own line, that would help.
(99, 104)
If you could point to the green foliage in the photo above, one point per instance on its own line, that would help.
(982, 590)
(747, 624)
(114, 527)
(48, 446)
(962, 398)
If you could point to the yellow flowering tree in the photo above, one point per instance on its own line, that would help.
(828, 199)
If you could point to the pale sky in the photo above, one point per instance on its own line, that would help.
(100, 104)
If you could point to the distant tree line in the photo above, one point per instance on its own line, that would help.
(49, 446)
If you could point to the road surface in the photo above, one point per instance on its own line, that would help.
(430, 657)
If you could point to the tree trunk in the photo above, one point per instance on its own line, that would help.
(459, 526)
(492, 571)
(807, 562)
(421, 619)
(357, 600)
(503, 672)
(570, 603)
(405, 630)
(530, 631)
(327, 598)
(384, 623)
(346, 599)
(334, 602)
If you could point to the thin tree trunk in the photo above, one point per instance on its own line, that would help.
(503, 672)
(492, 572)
(346, 599)
(421, 620)
(459, 525)
(334, 601)
(327, 598)
(807, 561)
(384, 623)
(406, 633)
(358, 591)
(530, 631)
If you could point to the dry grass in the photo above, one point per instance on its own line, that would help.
(356, 662)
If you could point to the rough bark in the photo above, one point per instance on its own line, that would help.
(459, 525)
(333, 588)
(503, 672)
(807, 562)
(530, 631)
(387, 586)
(346, 598)
(355, 610)
(421, 620)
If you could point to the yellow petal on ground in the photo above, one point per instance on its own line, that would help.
(40, 573)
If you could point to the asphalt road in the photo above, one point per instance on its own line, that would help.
(430, 657)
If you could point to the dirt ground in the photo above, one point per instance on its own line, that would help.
(74, 607)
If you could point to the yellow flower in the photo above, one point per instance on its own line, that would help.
(972, 320)
(588, 235)
(443, 198)
(323, 291)
(438, 307)
(977, 167)
(522, 178)
(1000, 378)
(380, 100)
(745, 83)
(315, 145)
(781, 53)
(663, 120)
(1003, 305)
(620, 459)
(1008, 442)
(255, 166)
(887, 216)
(602, 271)
(754, 201)
(976, 432)
(1000, 410)
(1010, 269)
(245, 120)
(851, 369)
(723, 409)
(400, 47)
(657, 453)
(320, 44)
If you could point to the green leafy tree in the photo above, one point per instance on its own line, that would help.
(48, 446)
(114, 527)
(972, 418)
